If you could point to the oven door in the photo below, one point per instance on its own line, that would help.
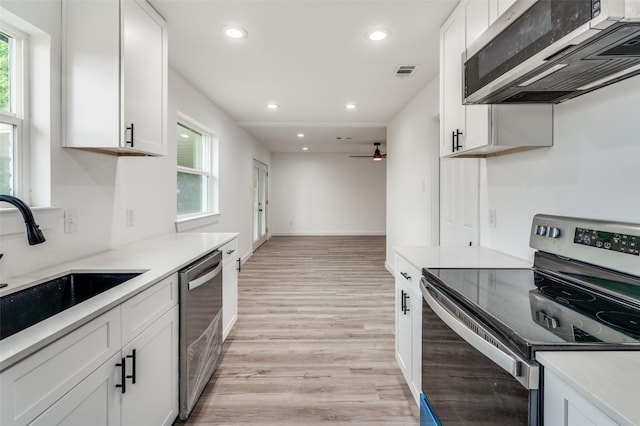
(469, 377)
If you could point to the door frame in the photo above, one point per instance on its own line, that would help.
(263, 219)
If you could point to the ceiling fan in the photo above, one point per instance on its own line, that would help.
(377, 156)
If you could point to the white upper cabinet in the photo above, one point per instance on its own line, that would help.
(115, 77)
(481, 130)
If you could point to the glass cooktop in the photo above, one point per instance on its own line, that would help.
(533, 310)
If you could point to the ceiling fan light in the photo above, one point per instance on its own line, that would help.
(377, 158)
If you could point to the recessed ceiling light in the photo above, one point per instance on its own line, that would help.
(378, 35)
(350, 106)
(234, 31)
(273, 106)
(304, 148)
(184, 135)
(301, 135)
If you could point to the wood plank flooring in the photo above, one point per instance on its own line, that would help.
(314, 341)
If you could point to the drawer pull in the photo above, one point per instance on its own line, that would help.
(133, 367)
(405, 275)
(230, 251)
(123, 375)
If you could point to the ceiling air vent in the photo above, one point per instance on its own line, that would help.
(405, 70)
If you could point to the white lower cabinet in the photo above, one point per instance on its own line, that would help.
(229, 286)
(563, 405)
(95, 401)
(408, 325)
(78, 379)
(153, 398)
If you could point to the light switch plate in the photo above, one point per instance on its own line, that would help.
(492, 218)
(70, 221)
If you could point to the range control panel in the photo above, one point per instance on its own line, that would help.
(621, 243)
(609, 244)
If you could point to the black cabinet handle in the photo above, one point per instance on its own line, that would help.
(405, 275)
(133, 367)
(123, 375)
(456, 140)
(402, 300)
(130, 142)
(239, 264)
(230, 251)
(453, 141)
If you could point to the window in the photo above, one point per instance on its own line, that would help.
(197, 171)
(11, 109)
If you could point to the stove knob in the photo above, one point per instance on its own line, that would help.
(554, 233)
(541, 230)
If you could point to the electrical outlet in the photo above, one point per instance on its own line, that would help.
(493, 221)
(70, 221)
(130, 217)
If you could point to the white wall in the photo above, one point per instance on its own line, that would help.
(237, 149)
(326, 194)
(102, 187)
(592, 170)
(412, 145)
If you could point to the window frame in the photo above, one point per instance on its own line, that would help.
(210, 170)
(17, 114)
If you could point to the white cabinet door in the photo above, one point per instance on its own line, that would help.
(229, 296)
(476, 116)
(95, 401)
(563, 405)
(403, 321)
(416, 345)
(153, 399)
(452, 114)
(115, 74)
(145, 78)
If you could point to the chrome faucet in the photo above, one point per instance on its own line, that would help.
(34, 234)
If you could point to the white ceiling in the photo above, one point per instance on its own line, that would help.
(311, 57)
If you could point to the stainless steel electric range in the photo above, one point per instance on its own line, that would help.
(482, 327)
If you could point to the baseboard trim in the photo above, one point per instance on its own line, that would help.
(329, 234)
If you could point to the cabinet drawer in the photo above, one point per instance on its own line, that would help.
(31, 386)
(140, 311)
(407, 272)
(229, 251)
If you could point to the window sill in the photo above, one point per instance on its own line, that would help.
(11, 221)
(192, 222)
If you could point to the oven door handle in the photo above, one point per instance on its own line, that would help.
(509, 361)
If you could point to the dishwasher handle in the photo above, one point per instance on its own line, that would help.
(205, 277)
(479, 337)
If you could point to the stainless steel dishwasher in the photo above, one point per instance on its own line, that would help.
(200, 327)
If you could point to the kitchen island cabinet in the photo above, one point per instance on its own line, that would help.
(115, 77)
(481, 130)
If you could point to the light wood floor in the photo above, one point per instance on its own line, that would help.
(314, 341)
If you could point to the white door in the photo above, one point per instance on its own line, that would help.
(260, 203)
(459, 201)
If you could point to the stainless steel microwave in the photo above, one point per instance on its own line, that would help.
(549, 51)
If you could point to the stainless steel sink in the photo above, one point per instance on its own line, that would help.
(27, 307)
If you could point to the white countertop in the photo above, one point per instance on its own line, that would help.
(157, 257)
(608, 380)
(459, 257)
